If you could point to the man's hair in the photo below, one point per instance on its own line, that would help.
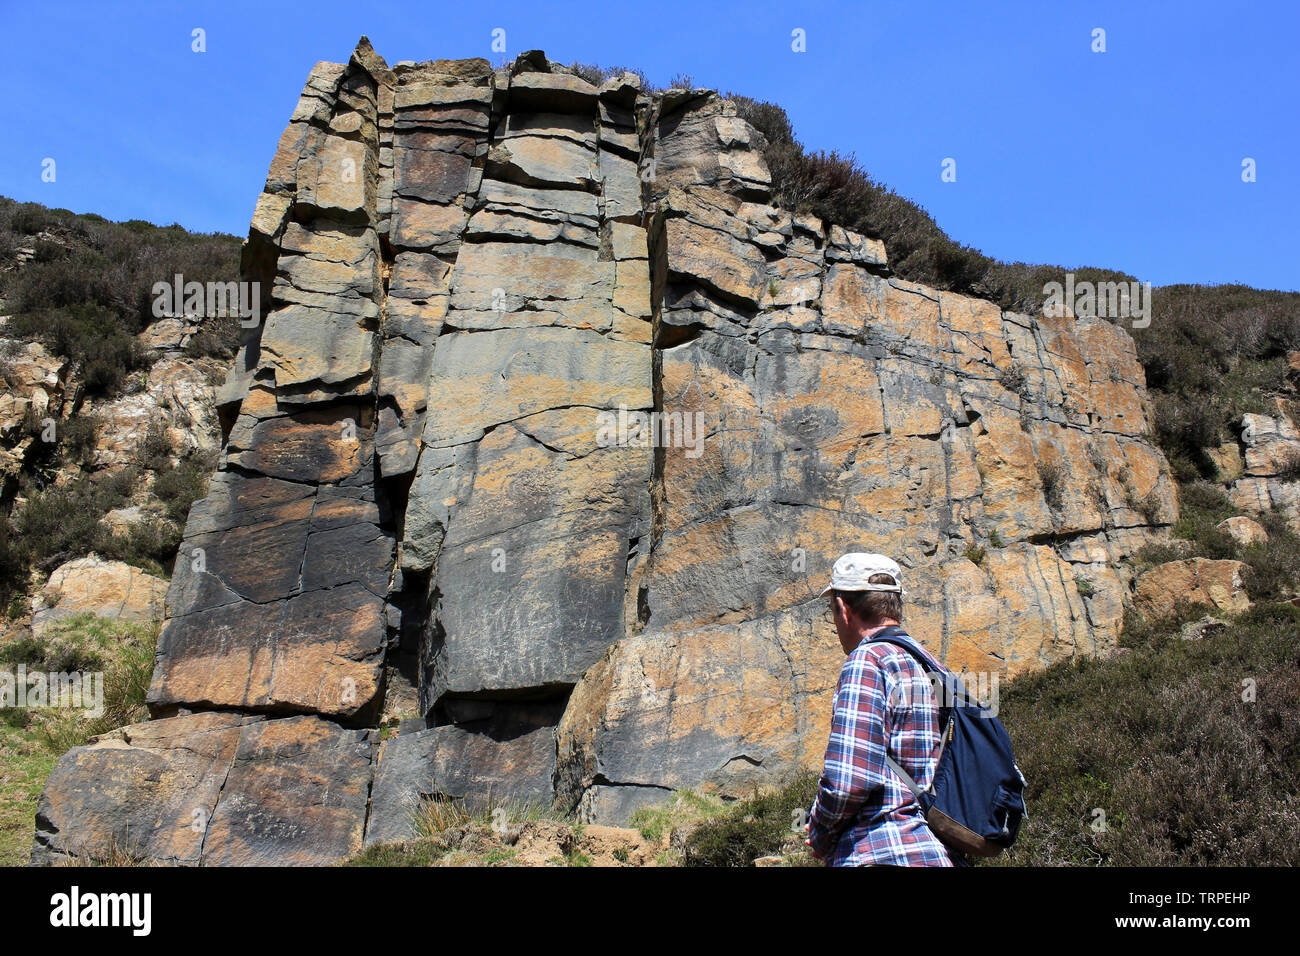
(874, 605)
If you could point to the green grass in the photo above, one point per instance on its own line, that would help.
(414, 853)
(435, 815)
(25, 762)
(685, 808)
(32, 739)
(122, 651)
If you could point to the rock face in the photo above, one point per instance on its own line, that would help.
(1271, 452)
(34, 386)
(555, 425)
(176, 396)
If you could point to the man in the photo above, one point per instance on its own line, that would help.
(864, 814)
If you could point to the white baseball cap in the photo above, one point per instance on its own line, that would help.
(853, 572)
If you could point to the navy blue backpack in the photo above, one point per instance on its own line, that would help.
(976, 799)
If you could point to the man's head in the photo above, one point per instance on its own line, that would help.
(866, 591)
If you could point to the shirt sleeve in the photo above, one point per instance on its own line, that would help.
(855, 756)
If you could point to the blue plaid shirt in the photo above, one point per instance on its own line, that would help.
(864, 814)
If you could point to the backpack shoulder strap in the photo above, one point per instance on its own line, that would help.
(895, 635)
(906, 777)
(890, 635)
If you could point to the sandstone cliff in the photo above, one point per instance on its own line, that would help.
(472, 279)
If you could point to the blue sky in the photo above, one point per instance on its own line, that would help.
(1128, 159)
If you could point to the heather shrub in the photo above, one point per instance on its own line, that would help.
(154, 450)
(78, 437)
(218, 337)
(837, 189)
(755, 827)
(1201, 506)
(1053, 477)
(596, 75)
(150, 545)
(1153, 758)
(178, 488)
(91, 336)
(1273, 567)
(60, 522)
(88, 291)
(29, 218)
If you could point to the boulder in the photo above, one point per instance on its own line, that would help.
(1260, 495)
(210, 789)
(169, 334)
(296, 795)
(121, 521)
(1158, 591)
(147, 790)
(1245, 531)
(92, 585)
